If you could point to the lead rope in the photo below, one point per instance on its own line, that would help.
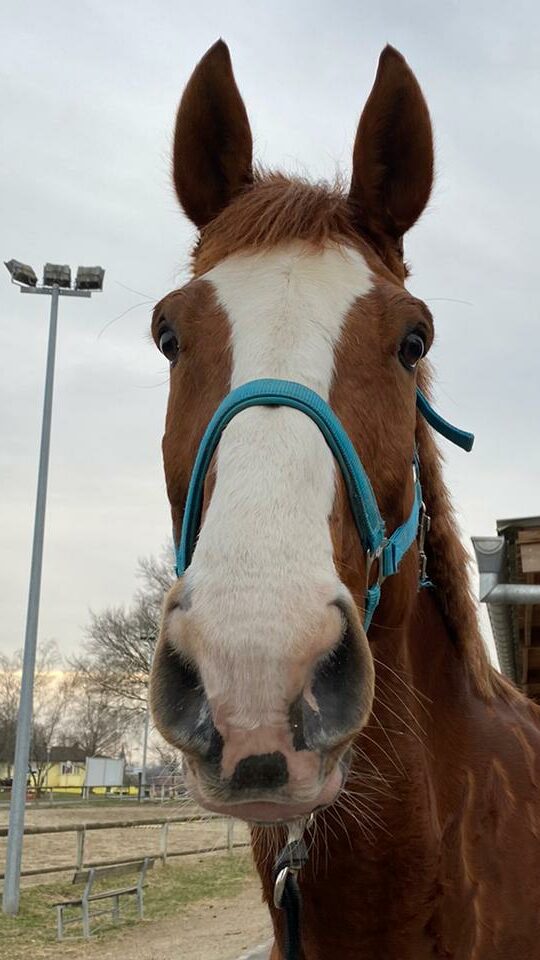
(286, 890)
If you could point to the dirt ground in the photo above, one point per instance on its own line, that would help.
(222, 930)
(57, 849)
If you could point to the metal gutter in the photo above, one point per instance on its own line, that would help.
(499, 597)
(491, 559)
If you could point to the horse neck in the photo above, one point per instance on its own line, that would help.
(423, 684)
(384, 832)
(375, 854)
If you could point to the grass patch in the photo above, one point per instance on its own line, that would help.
(177, 886)
(33, 932)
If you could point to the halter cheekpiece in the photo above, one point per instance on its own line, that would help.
(386, 552)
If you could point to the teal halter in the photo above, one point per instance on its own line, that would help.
(386, 551)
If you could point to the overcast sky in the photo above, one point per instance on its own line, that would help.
(88, 96)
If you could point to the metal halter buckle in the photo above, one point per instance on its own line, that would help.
(424, 525)
(372, 557)
(293, 856)
(279, 886)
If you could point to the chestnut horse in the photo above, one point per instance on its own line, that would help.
(424, 770)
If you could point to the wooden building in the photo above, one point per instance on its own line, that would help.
(509, 568)
(522, 551)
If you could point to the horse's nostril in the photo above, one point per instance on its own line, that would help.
(266, 770)
(337, 686)
(180, 705)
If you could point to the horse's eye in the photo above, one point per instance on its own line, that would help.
(168, 344)
(412, 349)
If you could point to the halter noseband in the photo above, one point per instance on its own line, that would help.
(387, 552)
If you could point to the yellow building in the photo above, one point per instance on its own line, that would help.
(65, 772)
(6, 770)
(66, 768)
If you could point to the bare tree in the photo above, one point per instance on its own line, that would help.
(10, 684)
(169, 758)
(169, 772)
(51, 693)
(157, 575)
(120, 642)
(52, 690)
(94, 724)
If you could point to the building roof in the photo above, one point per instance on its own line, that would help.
(521, 523)
(73, 754)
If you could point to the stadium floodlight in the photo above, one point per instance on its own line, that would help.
(56, 284)
(21, 272)
(89, 278)
(56, 275)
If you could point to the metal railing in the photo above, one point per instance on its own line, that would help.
(73, 793)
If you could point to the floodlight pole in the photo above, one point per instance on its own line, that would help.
(145, 748)
(10, 903)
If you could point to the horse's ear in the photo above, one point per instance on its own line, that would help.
(212, 157)
(393, 152)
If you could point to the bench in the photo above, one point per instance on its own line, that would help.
(89, 876)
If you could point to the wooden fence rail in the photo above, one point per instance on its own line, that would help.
(164, 854)
(114, 824)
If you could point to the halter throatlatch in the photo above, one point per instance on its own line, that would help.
(384, 552)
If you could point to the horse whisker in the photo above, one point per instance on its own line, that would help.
(417, 694)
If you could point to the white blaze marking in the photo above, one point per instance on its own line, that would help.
(262, 574)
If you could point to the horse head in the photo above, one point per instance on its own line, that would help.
(263, 674)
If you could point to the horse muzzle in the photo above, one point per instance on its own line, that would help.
(274, 750)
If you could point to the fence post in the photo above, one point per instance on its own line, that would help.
(164, 836)
(230, 831)
(81, 836)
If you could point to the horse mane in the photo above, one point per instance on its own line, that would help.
(449, 569)
(276, 209)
